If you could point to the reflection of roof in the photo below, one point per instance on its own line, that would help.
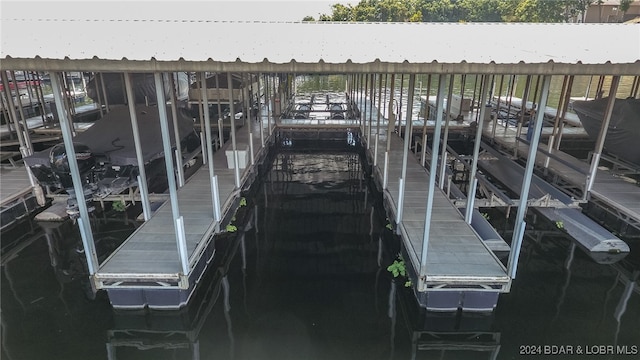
(636, 20)
(175, 40)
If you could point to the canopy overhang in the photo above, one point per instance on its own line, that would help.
(168, 40)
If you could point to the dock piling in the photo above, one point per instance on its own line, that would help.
(84, 223)
(518, 234)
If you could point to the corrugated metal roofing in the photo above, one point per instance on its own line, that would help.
(165, 41)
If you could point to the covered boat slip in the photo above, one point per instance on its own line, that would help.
(573, 175)
(149, 257)
(553, 204)
(457, 258)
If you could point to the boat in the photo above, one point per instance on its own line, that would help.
(106, 154)
(623, 132)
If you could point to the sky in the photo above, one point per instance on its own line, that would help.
(238, 10)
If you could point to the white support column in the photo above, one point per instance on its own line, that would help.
(471, 195)
(142, 178)
(182, 245)
(208, 142)
(176, 131)
(405, 150)
(260, 123)
(220, 116)
(518, 233)
(379, 116)
(84, 223)
(443, 156)
(232, 115)
(595, 160)
(385, 176)
(217, 214)
(422, 273)
(166, 144)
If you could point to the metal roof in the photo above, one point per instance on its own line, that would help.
(164, 40)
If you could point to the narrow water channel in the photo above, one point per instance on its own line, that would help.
(305, 277)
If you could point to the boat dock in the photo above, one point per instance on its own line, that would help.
(461, 269)
(16, 199)
(146, 269)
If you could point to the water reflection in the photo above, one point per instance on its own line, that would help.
(305, 278)
(154, 334)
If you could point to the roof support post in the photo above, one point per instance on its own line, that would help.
(371, 100)
(509, 99)
(232, 116)
(84, 224)
(268, 101)
(176, 131)
(523, 112)
(423, 154)
(379, 115)
(363, 100)
(209, 143)
(443, 156)
(471, 195)
(173, 191)
(260, 123)
(27, 137)
(391, 118)
(405, 152)
(104, 93)
(518, 234)
(11, 109)
(422, 273)
(247, 80)
(495, 121)
(142, 181)
(595, 159)
(400, 105)
(220, 116)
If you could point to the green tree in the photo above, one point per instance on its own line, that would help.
(439, 10)
(341, 12)
(539, 11)
(624, 7)
(308, 18)
(365, 10)
(576, 9)
(459, 10)
(480, 10)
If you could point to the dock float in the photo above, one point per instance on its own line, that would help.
(462, 272)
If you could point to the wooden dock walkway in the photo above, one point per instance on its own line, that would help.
(16, 195)
(149, 257)
(457, 258)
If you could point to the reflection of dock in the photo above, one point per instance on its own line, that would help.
(459, 264)
(173, 331)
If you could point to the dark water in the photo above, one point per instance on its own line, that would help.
(308, 280)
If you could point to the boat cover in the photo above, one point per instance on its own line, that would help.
(112, 136)
(623, 134)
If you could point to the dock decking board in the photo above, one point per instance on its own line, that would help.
(14, 183)
(456, 253)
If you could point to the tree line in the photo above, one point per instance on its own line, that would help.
(462, 11)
